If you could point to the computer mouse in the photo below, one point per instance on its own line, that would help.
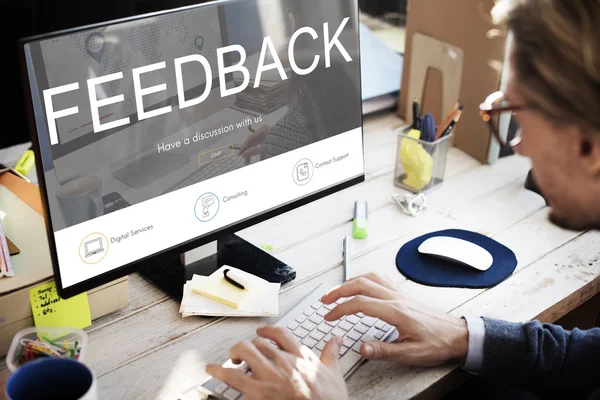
(457, 250)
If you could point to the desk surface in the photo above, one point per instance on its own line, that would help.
(147, 350)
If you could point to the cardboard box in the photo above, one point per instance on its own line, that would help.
(25, 225)
(464, 24)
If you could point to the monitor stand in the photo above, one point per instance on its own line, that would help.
(230, 250)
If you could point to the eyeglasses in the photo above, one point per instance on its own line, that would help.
(492, 111)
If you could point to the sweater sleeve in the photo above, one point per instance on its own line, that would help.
(541, 357)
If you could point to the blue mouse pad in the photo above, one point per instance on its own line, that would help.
(432, 271)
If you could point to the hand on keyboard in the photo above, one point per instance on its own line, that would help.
(427, 337)
(282, 368)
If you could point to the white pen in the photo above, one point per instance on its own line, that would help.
(345, 253)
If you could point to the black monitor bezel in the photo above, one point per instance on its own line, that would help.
(174, 251)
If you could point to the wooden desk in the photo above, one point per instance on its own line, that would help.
(147, 350)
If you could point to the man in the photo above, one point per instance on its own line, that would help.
(554, 92)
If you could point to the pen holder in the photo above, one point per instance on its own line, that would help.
(420, 165)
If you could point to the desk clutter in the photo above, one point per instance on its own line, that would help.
(230, 292)
(422, 149)
(32, 344)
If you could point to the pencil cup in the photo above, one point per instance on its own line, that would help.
(420, 165)
(52, 378)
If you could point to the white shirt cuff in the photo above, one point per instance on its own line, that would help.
(476, 329)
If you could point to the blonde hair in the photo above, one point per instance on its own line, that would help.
(556, 57)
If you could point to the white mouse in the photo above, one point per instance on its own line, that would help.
(457, 250)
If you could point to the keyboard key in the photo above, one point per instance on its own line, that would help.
(301, 332)
(361, 328)
(315, 319)
(368, 321)
(379, 324)
(343, 350)
(292, 326)
(322, 311)
(243, 397)
(321, 345)
(340, 300)
(354, 335)
(349, 360)
(317, 305)
(345, 326)
(338, 332)
(348, 342)
(221, 387)
(360, 315)
(386, 327)
(324, 328)
(309, 312)
(301, 318)
(317, 352)
(317, 335)
(356, 346)
(231, 394)
(333, 323)
(309, 342)
(327, 337)
(309, 326)
(330, 306)
(353, 319)
(379, 335)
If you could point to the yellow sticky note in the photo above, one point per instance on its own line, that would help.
(50, 310)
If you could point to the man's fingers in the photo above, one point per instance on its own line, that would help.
(247, 352)
(382, 309)
(233, 377)
(282, 337)
(360, 286)
(382, 280)
(277, 356)
(405, 353)
(330, 355)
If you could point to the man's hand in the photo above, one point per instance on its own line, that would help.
(291, 371)
(253, 145)
(427, 337)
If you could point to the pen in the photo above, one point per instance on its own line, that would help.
(447, 120)
(234, 283)
(416, 115)
(450, 127)
(345, 253)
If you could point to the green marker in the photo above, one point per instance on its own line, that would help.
(361, 222)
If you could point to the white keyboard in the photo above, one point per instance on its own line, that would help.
(305, 321)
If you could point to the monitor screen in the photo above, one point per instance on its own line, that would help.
(162, 132)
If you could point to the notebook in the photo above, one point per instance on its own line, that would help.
(214, 296)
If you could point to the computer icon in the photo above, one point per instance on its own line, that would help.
(93, 247)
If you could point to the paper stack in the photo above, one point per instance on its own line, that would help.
(214, 296)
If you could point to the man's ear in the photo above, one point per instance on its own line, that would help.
(590, 154)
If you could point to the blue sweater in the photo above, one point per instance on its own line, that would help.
(542, 358)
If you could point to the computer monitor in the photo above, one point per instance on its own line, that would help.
(165, 133)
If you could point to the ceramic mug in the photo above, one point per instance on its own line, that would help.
(52, 378)
(81, 199)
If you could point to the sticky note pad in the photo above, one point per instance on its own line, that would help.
(218, 289)
(50, 310)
